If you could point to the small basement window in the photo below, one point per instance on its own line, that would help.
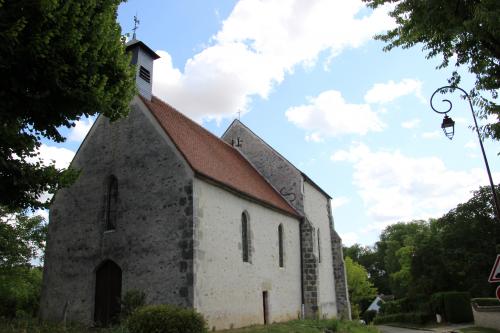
(145, 74)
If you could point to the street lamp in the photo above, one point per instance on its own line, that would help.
(448, 127)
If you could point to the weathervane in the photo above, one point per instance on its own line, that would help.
(136, 26)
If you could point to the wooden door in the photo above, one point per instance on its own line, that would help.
(108, 289)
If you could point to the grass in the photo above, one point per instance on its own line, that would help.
(296, 326)
(307, 326)
(478, 330)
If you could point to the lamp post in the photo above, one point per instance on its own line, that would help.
(448, 127)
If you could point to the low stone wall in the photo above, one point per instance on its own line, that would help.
(486, 316)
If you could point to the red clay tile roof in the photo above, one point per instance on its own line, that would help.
(211, 157)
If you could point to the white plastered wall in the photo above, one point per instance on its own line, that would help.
(316, 210)
(228, 291)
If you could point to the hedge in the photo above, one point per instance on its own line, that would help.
(416, 304)
(412, 318)
(453, 306)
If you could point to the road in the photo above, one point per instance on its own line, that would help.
(390, 329)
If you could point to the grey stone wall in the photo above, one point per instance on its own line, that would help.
(341, 291)
(309, 270)
(280, 173)
(153, 239)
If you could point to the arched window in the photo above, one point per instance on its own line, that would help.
(280, 244)
(319, 247)
(111, 201)
(245, 237)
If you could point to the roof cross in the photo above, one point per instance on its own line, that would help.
(136, 26)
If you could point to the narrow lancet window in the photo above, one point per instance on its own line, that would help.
(245, 242)
(111, 203)
(280, 244)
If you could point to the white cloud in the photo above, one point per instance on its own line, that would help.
(387, 92)
(339, 202)
(314, 137)
(471, 144)
(395, 187)
(431, 135)
(49, 154)
(328, 114)
(80, 130)
(412, 123)
(259, 43)
(349, 238)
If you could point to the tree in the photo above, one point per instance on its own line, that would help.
(371, 258)
(464, 31)
(22, 238)
(361, 290)
(59, 60)
(470, 236)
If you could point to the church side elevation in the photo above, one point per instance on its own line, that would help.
(226, 226)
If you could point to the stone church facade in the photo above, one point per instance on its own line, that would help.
(226, 226)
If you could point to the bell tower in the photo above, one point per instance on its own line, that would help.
(142, 57)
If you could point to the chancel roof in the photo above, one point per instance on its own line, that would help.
(213, 158)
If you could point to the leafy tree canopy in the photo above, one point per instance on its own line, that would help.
(22, 238)
(466, 32)
(360, 288)
(59, 60)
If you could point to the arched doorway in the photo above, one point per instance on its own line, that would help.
(108, 289)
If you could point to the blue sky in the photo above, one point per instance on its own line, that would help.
(310, 80)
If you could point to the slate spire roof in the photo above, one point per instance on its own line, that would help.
(212, 158)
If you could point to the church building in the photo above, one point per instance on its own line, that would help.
(226, 226)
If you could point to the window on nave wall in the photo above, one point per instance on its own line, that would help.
(245, 237)
(280, 245)
(111, 203)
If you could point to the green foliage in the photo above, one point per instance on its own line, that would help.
(486, 301)
(132, 300)
(360, 288)
(453, 252)
(19, 291)
(453, 306)
(22, 238)
(34, 325)
(457, 307)
(411, 318)
(418, 304)
(297, 326)
(462, 31)
(165, 319)
(368, 316)
(59, 60)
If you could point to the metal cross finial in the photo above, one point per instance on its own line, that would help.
(136, 26)
(239, 114)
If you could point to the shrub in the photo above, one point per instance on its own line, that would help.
(453, 305)
(19, 291)
(412, 318)
(457, 307)
(368, 316)
(419, 303)
(132, 300)
(165, 319)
